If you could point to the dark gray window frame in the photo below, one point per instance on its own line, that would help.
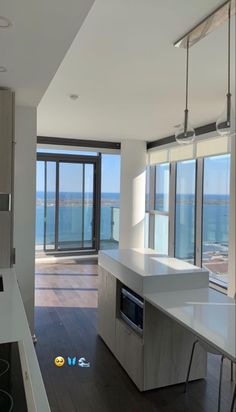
(172, 208)
(80, 159)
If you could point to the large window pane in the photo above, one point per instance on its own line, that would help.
(88, 205)
(147, 193)
(216, 197)
(50, 211)
(185, 210)
(110, 202)
(161, 234)
(162, 187)
(40, 188)
(70, 226)
(146, 230)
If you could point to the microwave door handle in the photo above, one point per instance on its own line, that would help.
(132, 298)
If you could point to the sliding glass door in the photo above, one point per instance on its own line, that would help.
(71, 204)
(50, 205)
(75, 215)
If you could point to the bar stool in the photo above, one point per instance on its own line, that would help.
(212, 350)
(233, 400)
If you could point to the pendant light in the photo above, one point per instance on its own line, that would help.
(185, 133)
(225, 122)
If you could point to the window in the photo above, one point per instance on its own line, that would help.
(40, 205)
(147, 197)
(66, 207)
(162, 187)
(161, 234)
(110, 202)
(189, 206)
(161, 206)
(216, 196)
(185, 210)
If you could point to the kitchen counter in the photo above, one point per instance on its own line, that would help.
(179, 307)
(159, 355)
(144, 270)
(211, 315)
(14, 328)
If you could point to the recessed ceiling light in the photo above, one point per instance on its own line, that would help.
(4, 23)
(3, 69)
(74, 96)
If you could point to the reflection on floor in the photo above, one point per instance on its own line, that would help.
(66, 325)
(70, 283)
(104, 244)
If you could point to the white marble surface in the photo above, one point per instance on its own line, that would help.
(14, 327)
(209, 314)
(144, 270)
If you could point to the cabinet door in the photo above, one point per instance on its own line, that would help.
(107, 308)
(5, 239)
(6, 137)
(129, 352)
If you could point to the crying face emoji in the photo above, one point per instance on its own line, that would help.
(59, 361)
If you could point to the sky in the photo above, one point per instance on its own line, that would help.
(71, 175)
(216, 176)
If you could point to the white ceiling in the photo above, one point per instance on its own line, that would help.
(129, 77)
(36, 43)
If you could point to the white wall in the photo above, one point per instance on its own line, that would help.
(132, 193)
(24, 208)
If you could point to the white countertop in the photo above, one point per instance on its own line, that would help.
(144, 270)
(14, 328)
(207, 313)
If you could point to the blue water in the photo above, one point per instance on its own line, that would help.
(215, 220)
(70, 217)
(215, 223)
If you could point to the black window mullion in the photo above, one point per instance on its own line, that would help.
(57, 206)
(45, 207)
(83, 203)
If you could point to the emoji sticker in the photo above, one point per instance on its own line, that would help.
(59, 361)
(71, 361)
(82, 363)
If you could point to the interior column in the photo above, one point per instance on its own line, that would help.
(132, 193)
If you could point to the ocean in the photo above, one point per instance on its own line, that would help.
(215, 221)
(71, 215)
(215, 225)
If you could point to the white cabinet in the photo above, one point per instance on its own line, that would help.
(107, 308)
(129, 352)
(5, 239)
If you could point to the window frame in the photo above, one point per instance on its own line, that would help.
(214, 281)
(199, 190)
(152, 211)
(195, 208)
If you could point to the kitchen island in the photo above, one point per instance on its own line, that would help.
(178, 308)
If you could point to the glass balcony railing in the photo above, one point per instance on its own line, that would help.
(109, 233)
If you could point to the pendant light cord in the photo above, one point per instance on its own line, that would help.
(229, 62)
(187, 65)
(186, 102)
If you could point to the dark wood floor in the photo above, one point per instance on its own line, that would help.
(105, 387)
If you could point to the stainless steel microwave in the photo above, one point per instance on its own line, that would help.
(131, 309)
